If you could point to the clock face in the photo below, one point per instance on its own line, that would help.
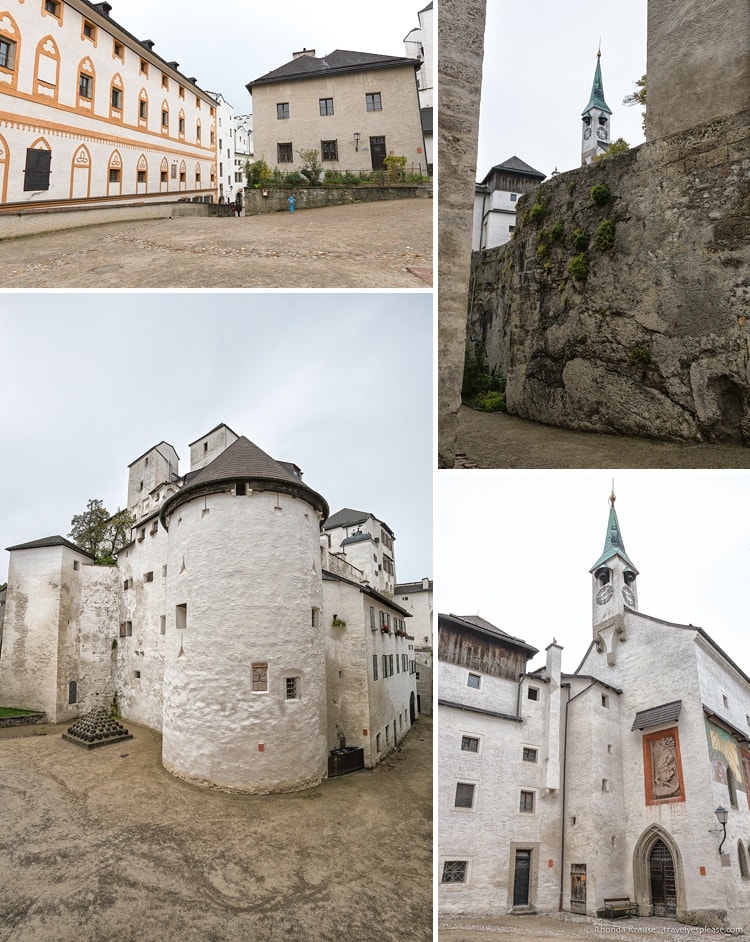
(601, 133)
(587, 133)
(628, 595)
(604, 595)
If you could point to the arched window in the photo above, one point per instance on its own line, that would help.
(165, 117)
(732, 787)
(603, 576)
(10, 48)
(142, 108)
(181, 125)
(742, 858)
(116, 98)
(86, 85)
(47, 69)
(114, 174)
(142, 175)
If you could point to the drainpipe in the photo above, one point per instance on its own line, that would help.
(565, 791)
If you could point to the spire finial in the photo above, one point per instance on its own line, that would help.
(612, 497)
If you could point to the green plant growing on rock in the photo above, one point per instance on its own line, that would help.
(580, 240)
(600, 194)
(490, 402)
(479, 381)
(578, 266)
(620, 146)
(604, 237)
(257, 173)
(537, 213)
(557, 231)
(639, 356)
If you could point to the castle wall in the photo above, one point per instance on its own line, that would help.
(654, 341)
(698, 63)
(142, 624)
(244, 607)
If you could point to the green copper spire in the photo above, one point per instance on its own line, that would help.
(613, 543)
(597, 90)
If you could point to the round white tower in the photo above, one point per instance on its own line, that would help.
(244, 671)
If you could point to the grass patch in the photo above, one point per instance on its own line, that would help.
(14, 711)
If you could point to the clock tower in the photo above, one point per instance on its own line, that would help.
(595, 138)
(613, 587)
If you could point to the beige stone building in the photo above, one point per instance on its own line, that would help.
(354, 108)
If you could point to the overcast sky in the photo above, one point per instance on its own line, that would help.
(245, 40)
(539, 62)
(340, 384)
(516, 548)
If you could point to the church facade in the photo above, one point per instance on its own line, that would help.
(560, 791)
(226, 623)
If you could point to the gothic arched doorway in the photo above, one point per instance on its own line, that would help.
(658, 882)
(663, 890)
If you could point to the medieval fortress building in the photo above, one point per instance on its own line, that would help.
(255, 631)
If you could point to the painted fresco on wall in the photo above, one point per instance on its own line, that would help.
(662, 767)
(722, 748)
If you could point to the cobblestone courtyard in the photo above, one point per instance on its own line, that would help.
(108, 845)
(362, 245)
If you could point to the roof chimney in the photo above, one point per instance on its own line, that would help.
(148, 43)
(304, 52)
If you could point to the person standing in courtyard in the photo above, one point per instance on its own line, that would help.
(238, 203)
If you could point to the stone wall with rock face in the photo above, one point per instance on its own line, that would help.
(655, 341)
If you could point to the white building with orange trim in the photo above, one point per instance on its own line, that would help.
(90, 114)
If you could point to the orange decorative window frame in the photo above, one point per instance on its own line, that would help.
(10, 33)
(142, 100)
(115, 86)
(89, 32)
(58, 5)
(118, 50)
(86, 70)
(662, 767)
(181, 125)
(47, 68)
(164, 111)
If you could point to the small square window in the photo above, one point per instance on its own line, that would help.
(143, 68)
(533, 693)
(165, 81)
(282, 110)
(473, 680)
(137, 675)
(7, 53)
(53, 7)
(330, 150)
(605, 701)
(454, 871)
(89, 30)
(75, 565)
(605, 784)
(513, 197)
(725, 700)
(469, 744)
(114, 174)
(118, 50)
(164, 118)
(464, 795)
(326, 107)
(529, 755)
(292, 688)
(84, 86)
(162, 624)
(526, 804)
(373, 101)
(148, 576)
(284, 154)
(117, 99)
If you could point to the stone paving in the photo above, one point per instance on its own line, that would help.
(363, 245)
(565, 927)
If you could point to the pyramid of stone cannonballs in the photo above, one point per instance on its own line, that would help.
(96, 728)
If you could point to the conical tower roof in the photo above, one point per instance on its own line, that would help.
(613, 542)
(597, 90)
(243, 460)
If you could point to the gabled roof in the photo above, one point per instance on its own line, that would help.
(50, 541)
(613, 542)
(346, 517)
(329, 576)
(214, 429)
(515, 165)
(337, 62)
(485, 627)
(597, 90)
(655, 716)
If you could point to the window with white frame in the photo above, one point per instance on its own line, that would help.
(464, 795)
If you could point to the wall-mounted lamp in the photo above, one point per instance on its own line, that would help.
(721, 816)
(357, 137)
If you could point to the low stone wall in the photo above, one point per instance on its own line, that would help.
(316, 197)
(630, 314)
(28, 719)
(34, 221)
